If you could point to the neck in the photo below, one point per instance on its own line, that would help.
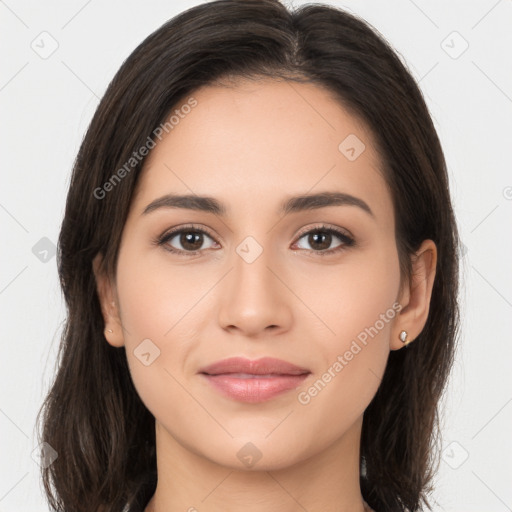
(326, 482)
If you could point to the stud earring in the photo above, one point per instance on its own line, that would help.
(403, 338)
(110, 330)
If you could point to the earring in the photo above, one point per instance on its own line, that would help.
(403, 338)
(109, 330)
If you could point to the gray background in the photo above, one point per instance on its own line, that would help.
(47, 100)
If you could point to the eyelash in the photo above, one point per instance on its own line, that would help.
(346, 240)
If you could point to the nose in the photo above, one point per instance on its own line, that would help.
(254, 299)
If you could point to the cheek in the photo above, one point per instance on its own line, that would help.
(359, 295)
(360, 312)
(157, 298)
(352, 360)
(156, 310)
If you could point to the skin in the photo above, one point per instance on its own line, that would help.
(252, 146)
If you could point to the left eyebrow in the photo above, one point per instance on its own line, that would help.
(291, 205)
(322, 200)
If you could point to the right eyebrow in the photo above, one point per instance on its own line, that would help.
(189, 202)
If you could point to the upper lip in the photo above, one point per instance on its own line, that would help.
(263, 366)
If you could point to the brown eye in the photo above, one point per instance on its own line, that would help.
(321, 239)
(191, 240)
(185, 240)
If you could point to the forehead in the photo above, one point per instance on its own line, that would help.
(254, 141)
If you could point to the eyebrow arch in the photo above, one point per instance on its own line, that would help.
(290, 205)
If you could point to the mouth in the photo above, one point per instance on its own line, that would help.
(253, 381)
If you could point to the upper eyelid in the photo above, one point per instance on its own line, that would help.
(326, 227)
(174, 231)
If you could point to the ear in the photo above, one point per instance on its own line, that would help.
(415, 297)
(109, 304)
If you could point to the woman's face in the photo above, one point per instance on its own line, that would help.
(260, 281)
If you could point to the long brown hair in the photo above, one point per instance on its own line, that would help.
(93, 417)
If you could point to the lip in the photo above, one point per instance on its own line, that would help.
(263, 366)
(253, 381)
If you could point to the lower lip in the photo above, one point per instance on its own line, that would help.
(254, 390)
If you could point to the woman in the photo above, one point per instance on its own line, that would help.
(258, 225)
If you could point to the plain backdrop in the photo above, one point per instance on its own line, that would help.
(56, 61)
